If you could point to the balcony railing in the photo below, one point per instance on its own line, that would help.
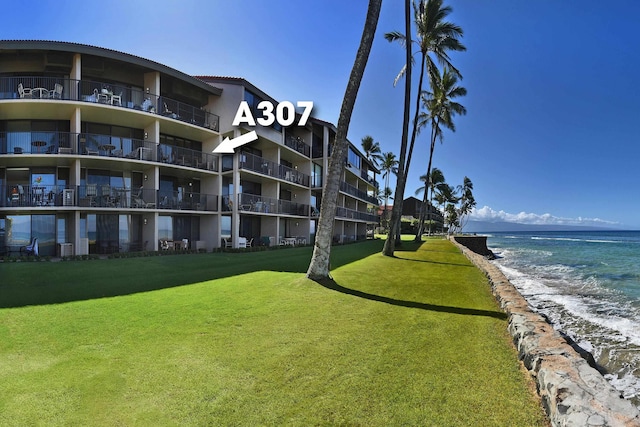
(179, 200)
(365, 175)
(260, 204)
(187, 157)
(109, 93)
(357, 215)
(298, 144)
(20, 195)
(37, 143)
(353, 191)
(266, 167)
(104, 145)
(104, 196)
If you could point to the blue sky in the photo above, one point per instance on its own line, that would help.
(550, 135)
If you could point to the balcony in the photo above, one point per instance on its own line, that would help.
(357, 215)
(252, 203)
(104, 146)
(113, 94)
(353, 191)
(365, 175)
(266, 167)
(178, 200)
(19, 195)
(298, 144)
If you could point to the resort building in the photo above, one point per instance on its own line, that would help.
(102, 151)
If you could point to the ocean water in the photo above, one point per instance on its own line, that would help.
(588, 285)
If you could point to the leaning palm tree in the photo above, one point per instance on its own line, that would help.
(434, 36)
(441, 108)
(319, 265)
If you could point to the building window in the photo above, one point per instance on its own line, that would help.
(225, 226)
(253, 100)
(316, 175)
(354, 159)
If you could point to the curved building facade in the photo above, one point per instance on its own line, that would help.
(102, 152)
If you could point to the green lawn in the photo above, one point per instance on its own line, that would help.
(245, 339)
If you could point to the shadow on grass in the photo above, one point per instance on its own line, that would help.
(433, 262)
(23, 284)
(331, 284)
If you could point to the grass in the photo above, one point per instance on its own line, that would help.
(246, 339)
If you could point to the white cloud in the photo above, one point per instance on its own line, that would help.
(488, 214)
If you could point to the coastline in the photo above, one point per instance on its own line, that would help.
(573, 392)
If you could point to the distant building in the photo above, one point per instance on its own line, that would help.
(412, 207)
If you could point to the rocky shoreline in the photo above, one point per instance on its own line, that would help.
(573, 392)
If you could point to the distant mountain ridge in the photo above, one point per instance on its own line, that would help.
(486, 226)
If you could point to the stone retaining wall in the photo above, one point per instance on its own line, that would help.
(477, 244)
(573, 393)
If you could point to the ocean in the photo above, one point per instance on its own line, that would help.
(588, 285)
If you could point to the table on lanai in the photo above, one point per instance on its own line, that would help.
(38, 145)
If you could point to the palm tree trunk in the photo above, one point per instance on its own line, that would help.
(396, 212)
(434, 135)
(319, 265)
(400, 191)
(426, 191)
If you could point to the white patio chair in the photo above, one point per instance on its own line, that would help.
(24, 93)
(116, 98)
(56, 93)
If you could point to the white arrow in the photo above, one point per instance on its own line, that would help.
(228, 145)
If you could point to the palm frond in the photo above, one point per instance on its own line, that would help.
(394, 36)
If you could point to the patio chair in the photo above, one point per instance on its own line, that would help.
(24, 93)
(226, 243)
(116, 98)
(250, 242)
(56, 93)
(32, 248)
(21, 193)
(92, 193)
(107, 198)
(168, 112)
(138, 200)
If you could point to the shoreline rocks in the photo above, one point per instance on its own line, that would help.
(573, 392)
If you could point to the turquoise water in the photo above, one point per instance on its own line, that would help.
(588, 286)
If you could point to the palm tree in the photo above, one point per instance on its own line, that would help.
(319, 265)
(388, 165)
(396, 213)
(387, 194)
(434, 36)
(441, 108)
(432, 182)
(467, 201)
(372, 150)
(451, 217)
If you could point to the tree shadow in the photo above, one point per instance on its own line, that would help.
(42, 283)
(332, 285)
(434, 262)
